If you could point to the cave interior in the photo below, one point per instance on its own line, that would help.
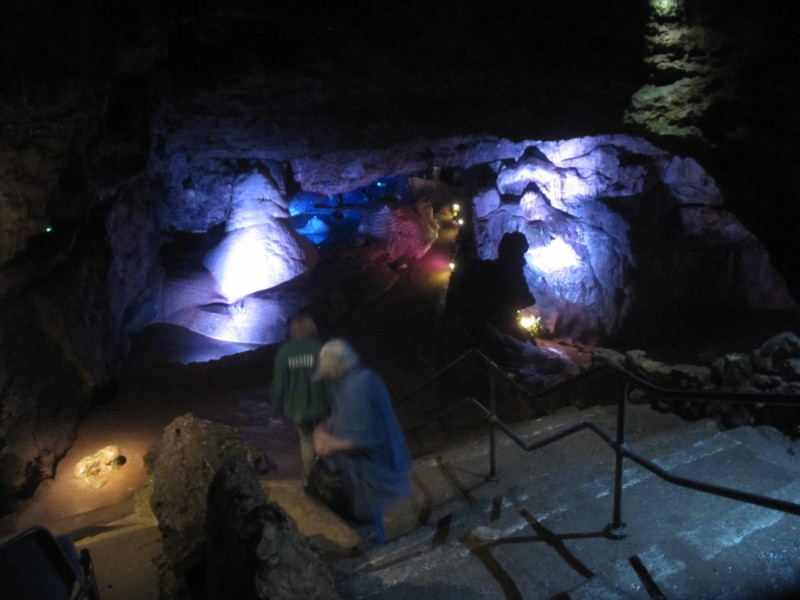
(180, 178)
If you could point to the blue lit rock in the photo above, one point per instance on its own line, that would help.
(251, 320)
(314, 226)
(690, 183)
(107, 119)
(618, 230)
(486, 202)
(258, 258)
(260, 249)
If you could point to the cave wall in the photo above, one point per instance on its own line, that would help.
(112, 113)
(721, 87)
(621, 236)
(62, 312)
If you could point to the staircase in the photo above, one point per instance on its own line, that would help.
(545, 526)
(540, 528)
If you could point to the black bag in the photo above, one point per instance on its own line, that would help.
(325, 484)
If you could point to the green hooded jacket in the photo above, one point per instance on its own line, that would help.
(294, 392)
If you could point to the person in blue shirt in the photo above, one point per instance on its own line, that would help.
(362, 439)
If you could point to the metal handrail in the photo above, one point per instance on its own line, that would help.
(702, 395)
(616, 529)
(469, 353)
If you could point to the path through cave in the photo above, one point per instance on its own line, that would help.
(389, 311)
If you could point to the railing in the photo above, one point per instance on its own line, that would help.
(616, 529)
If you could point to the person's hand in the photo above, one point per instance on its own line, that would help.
(321, 440)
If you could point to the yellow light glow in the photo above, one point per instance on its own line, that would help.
(452, 265)
(94, 470)
(530, 322)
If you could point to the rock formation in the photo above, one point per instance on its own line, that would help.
(773, 368)
(620, 231)
(222, 538)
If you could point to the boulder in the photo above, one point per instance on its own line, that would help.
(733, 370)
(222, 538)
(181, 468)
(253, 550)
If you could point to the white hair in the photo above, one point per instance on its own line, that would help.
(336, 359)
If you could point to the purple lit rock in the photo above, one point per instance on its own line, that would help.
(260, 249)
(620, 230)
(258, 258)
(404, 232)
(486, 202)
(251, 320)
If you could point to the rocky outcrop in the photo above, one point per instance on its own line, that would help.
(619, 231)
(63, 307)
(222, 538)
(253, 550)
(720, 79)
(260, 249)
(181, 468)
(773, 368)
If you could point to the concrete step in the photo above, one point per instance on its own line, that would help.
(544, 536)
(456, 479)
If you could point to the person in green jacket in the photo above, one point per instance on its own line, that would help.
(295, 394)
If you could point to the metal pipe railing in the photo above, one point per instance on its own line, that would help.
(616, 529)
(468, 354)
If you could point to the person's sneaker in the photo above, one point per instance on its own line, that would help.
(368, 540)
(372, 533)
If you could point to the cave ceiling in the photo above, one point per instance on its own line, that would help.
(94, 95)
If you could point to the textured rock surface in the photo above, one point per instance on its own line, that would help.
(252, 549)
(222, 538)
(181, 468)
(61, 317)
(771, 368)
(620, 231)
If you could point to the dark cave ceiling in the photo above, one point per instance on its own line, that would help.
(94, 93)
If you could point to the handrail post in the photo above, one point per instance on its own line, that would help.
(492, 429)
(616, 529)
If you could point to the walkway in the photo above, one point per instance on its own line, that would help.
(539, 529)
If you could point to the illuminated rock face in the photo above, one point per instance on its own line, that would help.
(259, 257)
(405, 232)
(95, 469)
(620, 230)
(258, 251)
